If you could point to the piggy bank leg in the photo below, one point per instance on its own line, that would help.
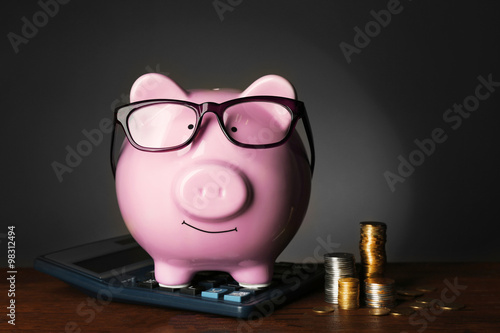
(255, 276)
(171, 276)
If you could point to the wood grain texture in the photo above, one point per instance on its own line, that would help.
(45, 304)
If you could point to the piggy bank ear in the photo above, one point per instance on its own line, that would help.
(270, 85)
(153, 86)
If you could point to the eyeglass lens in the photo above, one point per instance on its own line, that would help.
(257, 122)
(167, 124)
(161, 125)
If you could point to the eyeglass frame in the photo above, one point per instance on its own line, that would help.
(295, 107)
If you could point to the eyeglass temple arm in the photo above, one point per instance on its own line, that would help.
(309, 134)
(305, 119)
(111, 155)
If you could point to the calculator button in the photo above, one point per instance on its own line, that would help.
(207, 284)
(191, 290)
(230, 287)
(214, 293)
(149, 284)
(212, 282)
(238, 296)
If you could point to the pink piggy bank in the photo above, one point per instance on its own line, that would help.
(213, 179)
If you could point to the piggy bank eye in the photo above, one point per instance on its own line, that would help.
(162, 125)
(257, 122)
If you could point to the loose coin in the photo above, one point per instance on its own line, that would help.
(426, 289)
(379, 311)
(323, 309)
(452, 306)
(402, 312)
(417, 305)
(425, 300)
(409, 292)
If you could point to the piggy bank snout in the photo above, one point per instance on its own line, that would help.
(212, 192)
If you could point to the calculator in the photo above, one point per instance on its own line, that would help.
(118, 269)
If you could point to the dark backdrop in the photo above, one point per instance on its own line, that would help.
(373, 85)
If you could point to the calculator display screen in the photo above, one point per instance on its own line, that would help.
(114, 260)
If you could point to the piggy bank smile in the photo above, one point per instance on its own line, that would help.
(212, 179)
(209, 232)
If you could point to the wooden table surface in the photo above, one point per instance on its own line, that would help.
(45, 304)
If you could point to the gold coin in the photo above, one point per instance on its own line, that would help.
(416, 305)
(372, 248)
(373, 224)
(409, 292)
(402, 312)
(323, 309)
(426, 289)
(379, 311)
(349, 307)
(348, 280)
(379, 281)
(425, 300)
(452, 306)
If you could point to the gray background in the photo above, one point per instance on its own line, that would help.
(83, 60)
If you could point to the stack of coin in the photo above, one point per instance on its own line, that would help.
(337, 265)
(348, 293)
(379, 293)
(372, 248)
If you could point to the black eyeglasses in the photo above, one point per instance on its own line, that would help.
(161, 125)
